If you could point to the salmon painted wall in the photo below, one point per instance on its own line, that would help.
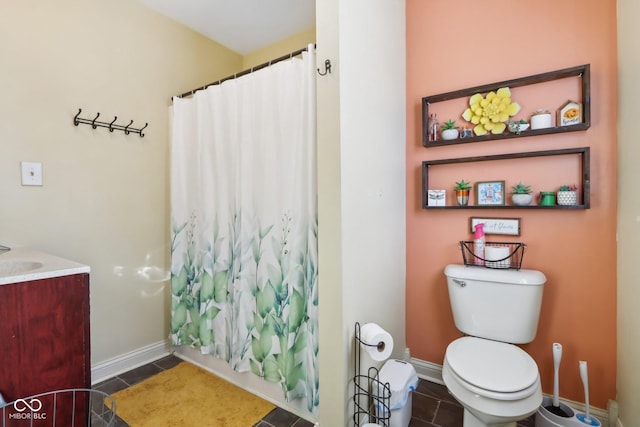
(451, 47)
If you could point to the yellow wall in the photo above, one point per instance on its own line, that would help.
(575, 249)
(283, 47)
(104, 201)
(628, 383)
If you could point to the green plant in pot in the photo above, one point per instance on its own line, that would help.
(568, 195)
(449, 130)
(521, 194)
(462, 189)
(517, 126)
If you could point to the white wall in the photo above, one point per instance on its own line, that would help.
(104, 201)
(334, 335)
(628, 381)
(361, 149)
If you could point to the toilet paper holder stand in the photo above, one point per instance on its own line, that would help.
(371, 398)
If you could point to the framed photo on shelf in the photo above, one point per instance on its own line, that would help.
(490, 193)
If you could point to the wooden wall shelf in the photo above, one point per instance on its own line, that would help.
(584, 152)
(582, 71)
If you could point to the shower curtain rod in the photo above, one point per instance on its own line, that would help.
(245, 72)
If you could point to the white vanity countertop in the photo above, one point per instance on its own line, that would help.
(24, 264)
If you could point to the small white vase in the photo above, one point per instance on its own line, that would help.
(450, 134)
(521, 199)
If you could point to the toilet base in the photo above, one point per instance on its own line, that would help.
(480, 411)
(470, 420)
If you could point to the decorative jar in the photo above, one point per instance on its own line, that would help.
(547, 198)
(540, 119)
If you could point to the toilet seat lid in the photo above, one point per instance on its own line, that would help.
(492, 365)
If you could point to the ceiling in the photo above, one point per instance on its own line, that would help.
(240, 25)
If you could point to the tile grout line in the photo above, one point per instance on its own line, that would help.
(435, 413)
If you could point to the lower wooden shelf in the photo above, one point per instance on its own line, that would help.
(583, 152)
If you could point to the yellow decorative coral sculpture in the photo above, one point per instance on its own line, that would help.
(491, 113)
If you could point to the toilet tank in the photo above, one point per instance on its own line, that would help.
(501, 305)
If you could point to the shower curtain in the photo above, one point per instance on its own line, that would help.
(244, 225)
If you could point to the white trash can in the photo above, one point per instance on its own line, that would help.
(402, 380)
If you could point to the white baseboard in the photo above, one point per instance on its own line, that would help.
(433, 372)
(427, 370)
(125, 362)
(613, 414)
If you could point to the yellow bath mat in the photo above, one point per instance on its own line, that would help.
(185, 396)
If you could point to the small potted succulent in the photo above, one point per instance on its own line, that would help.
(517, 126)
(568, 195)
(449, 130)
(462, 189)
(521, 194)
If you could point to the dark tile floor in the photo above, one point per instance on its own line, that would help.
(432, 405)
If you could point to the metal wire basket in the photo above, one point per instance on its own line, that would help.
(78, 407)
(496, 255)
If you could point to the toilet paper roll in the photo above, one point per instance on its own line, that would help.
(379, 343)
(494, 256)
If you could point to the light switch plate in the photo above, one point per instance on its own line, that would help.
(31, 173)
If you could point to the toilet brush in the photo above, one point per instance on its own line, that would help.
(555, 408)
(586, 418)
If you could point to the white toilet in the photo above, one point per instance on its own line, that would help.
(495, 381)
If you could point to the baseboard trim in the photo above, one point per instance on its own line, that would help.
(125, 362)
(427, 370)
(433, 372)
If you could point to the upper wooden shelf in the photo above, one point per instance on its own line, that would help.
(582, 71)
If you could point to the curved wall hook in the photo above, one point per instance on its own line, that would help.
(111, 124)
(327, 68)
(93, 123)
(75, 119)
(126, 128)
(141, 129)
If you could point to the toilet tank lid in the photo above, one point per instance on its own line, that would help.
(521, 277)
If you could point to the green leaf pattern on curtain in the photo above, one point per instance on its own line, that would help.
(275, 266)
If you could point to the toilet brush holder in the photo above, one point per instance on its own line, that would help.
(545, 418)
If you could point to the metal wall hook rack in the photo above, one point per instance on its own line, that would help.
(109, 125)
